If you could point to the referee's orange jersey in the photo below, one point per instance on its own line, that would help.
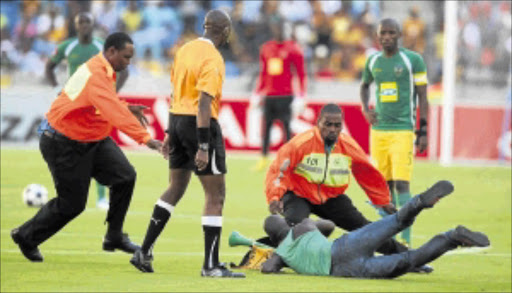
(88, 107)
(198, 67)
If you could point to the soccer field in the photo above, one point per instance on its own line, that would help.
(74, 260)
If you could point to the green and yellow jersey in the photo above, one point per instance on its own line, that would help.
(309, 254)
(395, 78)
(75, 53)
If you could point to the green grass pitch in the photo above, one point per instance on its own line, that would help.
(74, 260)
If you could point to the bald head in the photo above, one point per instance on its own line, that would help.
(217, 26)
(217, 19)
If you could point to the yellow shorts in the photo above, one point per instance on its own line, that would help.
(393, 151)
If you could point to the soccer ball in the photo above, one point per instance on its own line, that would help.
(35, 195)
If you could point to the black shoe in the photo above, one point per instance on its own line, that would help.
(436, 192)
(467, 238)
(142, 261)
(220, 271)
(424, 269)
(122, 243)
(31, 253)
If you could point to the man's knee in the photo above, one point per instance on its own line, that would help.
(70, 209)
(401, 267)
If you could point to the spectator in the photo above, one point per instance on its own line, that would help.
(131, 18)
(107, 16)
(51, 29)
(162, 28)
(414, 31)
(296, 11)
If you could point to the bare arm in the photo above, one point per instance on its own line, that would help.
(364, 93)
(204, 115)
(205, 110)
(272, 265)
(422, 141)
(122, 76)
(50, 74)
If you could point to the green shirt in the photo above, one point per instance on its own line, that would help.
(395, 78)
(309, 254)
(75, 53)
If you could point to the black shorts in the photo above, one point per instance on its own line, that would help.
(183, 145)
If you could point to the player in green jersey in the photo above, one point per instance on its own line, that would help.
(304, 249)
(400, 76)
(77, 51)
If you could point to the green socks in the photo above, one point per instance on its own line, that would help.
(402, 199)
(101, 190)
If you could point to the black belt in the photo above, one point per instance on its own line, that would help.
(61, 137)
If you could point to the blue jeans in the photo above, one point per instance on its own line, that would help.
(353, 253)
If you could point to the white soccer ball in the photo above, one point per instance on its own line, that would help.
(35, 195)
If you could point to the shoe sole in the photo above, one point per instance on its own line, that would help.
(232, 276)
(139, 267)
(436, 192)
(470, 238)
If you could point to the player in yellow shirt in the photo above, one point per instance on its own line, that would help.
(194, 142)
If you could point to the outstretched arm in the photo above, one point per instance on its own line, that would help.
(273, 265)
(50, 74)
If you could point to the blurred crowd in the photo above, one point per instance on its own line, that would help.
(336, 36)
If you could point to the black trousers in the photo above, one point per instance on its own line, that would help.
(72, 165)
(276, 108)
(339, 210)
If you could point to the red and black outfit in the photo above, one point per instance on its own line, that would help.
(275, 83)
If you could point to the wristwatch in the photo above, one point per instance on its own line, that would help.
(204, 147)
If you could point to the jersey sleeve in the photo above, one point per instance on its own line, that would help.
(366, 175)
(263, 71)
(210, 77)
(59, 53)
(103, 97)
(277, 181)
(419, 70)
(367, 74)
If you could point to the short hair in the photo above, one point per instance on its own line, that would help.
(330, 109)
(117, 40)
(390, 22)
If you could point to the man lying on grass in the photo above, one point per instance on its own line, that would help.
(307, 251)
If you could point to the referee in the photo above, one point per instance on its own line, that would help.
(194, 142)
(76, 146)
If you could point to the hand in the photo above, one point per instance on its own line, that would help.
(166, 146)
(138, 111)
(255, 101)
(298, 106)
(201, 159)
(154, 145)
(275, 207)
(389, 208)
(370, 116)
(422, 143)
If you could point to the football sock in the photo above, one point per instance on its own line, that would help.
(161, 214)
(101, 190)
(403, 198)
(212, 226)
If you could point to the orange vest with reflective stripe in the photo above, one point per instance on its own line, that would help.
(303, 167)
